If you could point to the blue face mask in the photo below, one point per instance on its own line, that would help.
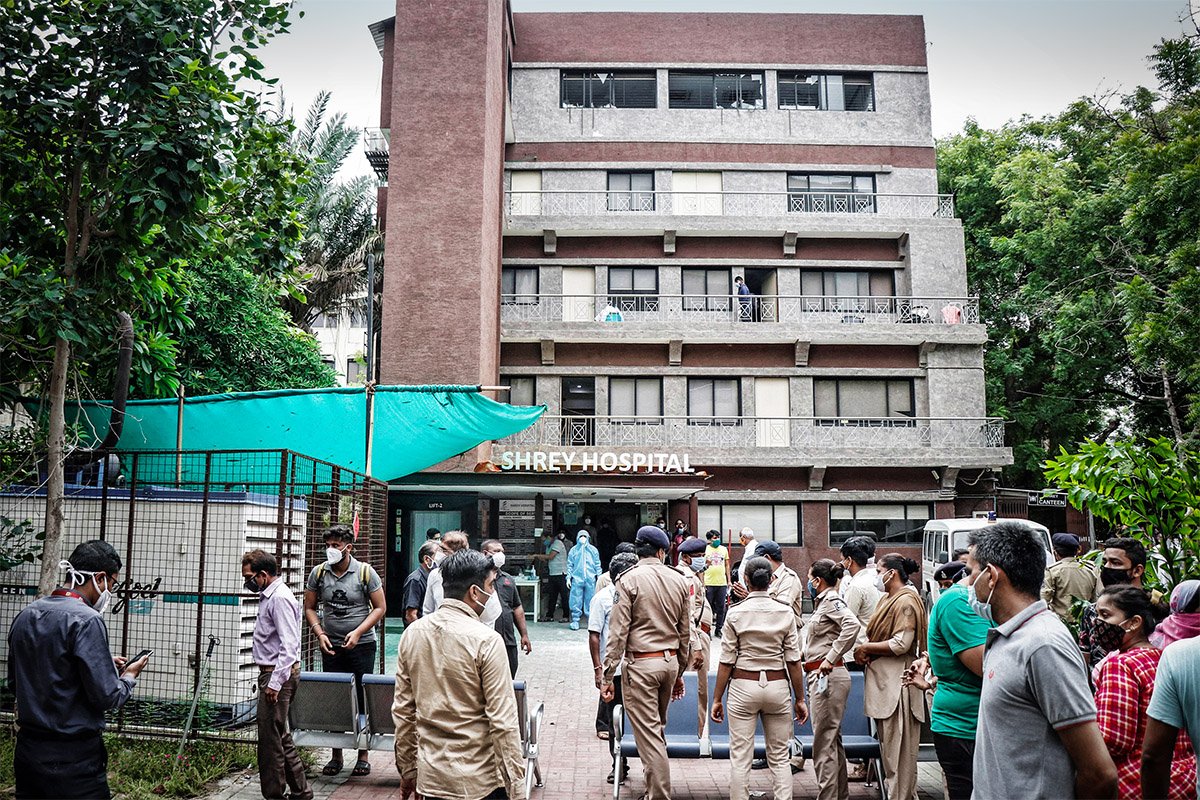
(812, 589)
(983, 608)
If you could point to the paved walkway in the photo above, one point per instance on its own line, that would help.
(574, 762)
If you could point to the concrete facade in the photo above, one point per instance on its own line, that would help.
(902, 360)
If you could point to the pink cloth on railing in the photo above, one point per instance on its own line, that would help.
(952, 314)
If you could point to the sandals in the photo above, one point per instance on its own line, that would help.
(602, 735)
(332, 768)
(363, 767)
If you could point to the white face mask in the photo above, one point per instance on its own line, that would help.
(879, 582)
(699, 563)
(79, 577)
(498, 560)
(438, 557)
(981, 607)
(333, 556)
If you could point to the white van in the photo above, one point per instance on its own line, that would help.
(943, 536)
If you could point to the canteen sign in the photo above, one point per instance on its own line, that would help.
(570, 460)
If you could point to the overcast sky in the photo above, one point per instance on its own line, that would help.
(993, 60)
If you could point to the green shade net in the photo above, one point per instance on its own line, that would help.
(415, 426)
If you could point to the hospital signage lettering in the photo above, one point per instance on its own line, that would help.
(569, 460)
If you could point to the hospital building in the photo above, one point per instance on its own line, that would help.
(712, 245)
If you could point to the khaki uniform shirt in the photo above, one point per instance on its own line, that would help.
(701, 612)
(862, 597)
(759, 633)
(787, 588)
(455, 711)
(1066, 580)
(832, 629)
(651, 612)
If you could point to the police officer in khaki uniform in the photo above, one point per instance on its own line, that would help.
(1068, 580)
(760, 657)
(692, 563)
(829, 636)
(651, 628)
(786, 588)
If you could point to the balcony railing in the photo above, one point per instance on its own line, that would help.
(731, 433)
(375, 145)
(729, 204)
(712, 309)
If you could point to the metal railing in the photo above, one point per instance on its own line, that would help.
(578, 203)
(376, 147)
(731, 433)
(709, 309)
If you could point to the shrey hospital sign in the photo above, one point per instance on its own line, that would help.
(570, 460)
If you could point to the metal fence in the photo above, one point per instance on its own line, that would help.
(181, 522)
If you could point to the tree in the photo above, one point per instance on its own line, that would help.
(1081, 234)
(339, 218)
(117, 119)
(240, 339)
(1150, 489)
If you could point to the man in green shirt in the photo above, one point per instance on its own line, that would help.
(955, 651)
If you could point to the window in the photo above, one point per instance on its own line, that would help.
(522, 391)
(715, 90)
(902, 523)
(831, 194)
(714, 401)
(778, 522)
(860, 402)
(841, 290)
(635, 397)
(706, 290)
(633, 289)
(631, 191)
(324, 320)
(356, 372)
(594, 89)
(358, 313)
(827, 92)
(518, 286)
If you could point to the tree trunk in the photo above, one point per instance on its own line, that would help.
(55, 459)
(1172, 412)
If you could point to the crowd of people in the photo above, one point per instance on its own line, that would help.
(1067, 681)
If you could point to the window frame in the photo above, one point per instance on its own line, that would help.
(889, 420)
(591, 75)
(809, 200)
(515, 298)
(710, 92)
(635, 418)
(734, 523)
(634, 300)
(634, 198)
(913, 536)
(510, 380)
(715, 419)
(720, 302)
(822, 82)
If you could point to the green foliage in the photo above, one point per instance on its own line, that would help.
(1083, 237)
(1149, 489)
(240, 340)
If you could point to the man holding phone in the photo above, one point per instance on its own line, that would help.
(343, 602)
(66, 678)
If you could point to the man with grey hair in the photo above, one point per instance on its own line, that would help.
(428, 557)
(455, 541)
(1037, 733)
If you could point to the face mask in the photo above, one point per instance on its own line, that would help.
(812, 590)
(438, 557)
(982, 608)
(1113, 577)
(251, 585)
(880, 583)
(714, 543)
(333, 556)
(498, 560)
(699, 563)
(1108, 635)
(483, 606)
(105, 596)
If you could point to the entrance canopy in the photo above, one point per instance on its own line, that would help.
(414, 426)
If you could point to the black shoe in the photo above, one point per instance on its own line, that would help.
(612, 774)
(758, 763)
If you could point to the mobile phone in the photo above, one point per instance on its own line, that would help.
(148, 651)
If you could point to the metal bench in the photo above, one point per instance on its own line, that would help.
(858, 738)
(379, 732)
(324, 711)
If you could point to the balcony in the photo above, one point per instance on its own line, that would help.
(630, 205)
(731, 441)
(376, 147)
(731, 312)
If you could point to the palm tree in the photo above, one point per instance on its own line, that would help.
(339, 218)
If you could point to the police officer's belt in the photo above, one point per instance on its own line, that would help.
(656, 654)
(755, 674)
(811, 666)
